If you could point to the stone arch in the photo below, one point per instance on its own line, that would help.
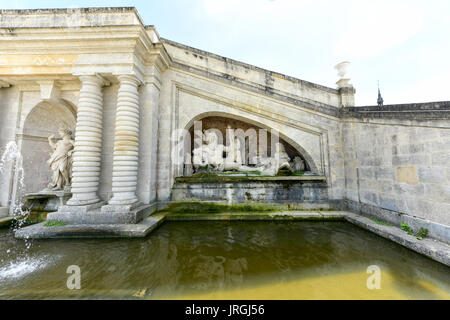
(43, 120)
(283, 136)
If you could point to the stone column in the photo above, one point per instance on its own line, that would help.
(126, 146)
(88, 142)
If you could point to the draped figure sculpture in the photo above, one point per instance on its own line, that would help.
(211, 155)
(270, 165)
(60, 160)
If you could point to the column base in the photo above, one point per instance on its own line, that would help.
(80, 203)
(121, 207)
(81, 208)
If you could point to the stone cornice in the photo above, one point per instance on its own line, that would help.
(407, 111)
(47, 51)
(73, 17)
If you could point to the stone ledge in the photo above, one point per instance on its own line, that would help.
(95, 217)
(434, 249)
(142, 229)
(237, 178)
(437, 231)
(267, 216)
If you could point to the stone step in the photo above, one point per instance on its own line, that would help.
(139, 230)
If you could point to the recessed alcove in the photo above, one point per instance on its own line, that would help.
(43, 121)
(255, 140)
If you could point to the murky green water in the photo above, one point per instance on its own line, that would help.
(221, 260)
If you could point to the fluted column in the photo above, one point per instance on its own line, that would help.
(126, 143)
(88, 142)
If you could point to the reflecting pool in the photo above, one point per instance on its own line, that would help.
(222, 260)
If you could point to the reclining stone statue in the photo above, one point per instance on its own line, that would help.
(269, 166)
(210, 154)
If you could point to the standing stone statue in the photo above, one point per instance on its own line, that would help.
(61, 159)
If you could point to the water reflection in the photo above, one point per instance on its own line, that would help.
(223, 260)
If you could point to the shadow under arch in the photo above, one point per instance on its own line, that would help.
(307, 157)
(63, 111)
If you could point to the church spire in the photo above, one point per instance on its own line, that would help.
(380, 99)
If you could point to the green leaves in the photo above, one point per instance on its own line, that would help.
(422, 233)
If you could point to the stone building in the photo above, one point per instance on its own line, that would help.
(124, 91)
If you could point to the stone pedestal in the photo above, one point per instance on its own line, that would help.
(97, 216)
(47, 200)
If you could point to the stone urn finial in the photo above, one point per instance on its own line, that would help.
(342, 69)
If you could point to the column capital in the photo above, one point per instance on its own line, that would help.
(130, 79)
(95, 78)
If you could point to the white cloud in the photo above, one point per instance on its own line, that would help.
(370, 28)
(432, 88)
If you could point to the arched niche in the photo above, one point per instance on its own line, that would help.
(220, 122)
(41, 122)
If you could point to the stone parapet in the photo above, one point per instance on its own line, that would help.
(408, 111)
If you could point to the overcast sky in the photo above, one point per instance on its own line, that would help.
(403, 44)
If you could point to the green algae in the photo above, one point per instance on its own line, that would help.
(209, 207)
(54, 223)
(380, 222)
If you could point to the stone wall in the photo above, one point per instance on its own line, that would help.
(399, 164)
(242, 192)
(187, 96)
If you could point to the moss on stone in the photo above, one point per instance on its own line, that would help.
(254, 172)
(193, 208)
(205, 177)
(380, 222)
(54, 223)
(209, 207)
(229, 177)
